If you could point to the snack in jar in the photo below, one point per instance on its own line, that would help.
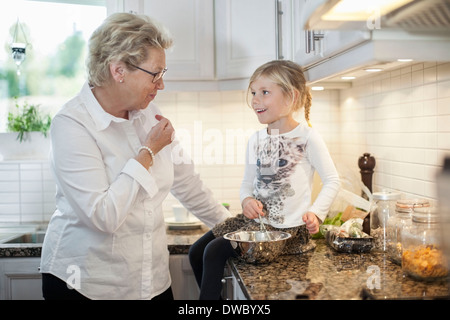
(400, 220)
(422, 254)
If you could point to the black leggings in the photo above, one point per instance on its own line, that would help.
(53, 288)
(208, 256)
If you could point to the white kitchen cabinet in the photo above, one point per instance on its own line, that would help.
(216, 41)
(238, 294)
(191, 24)
(231, 285)
(314, 46)
(20, 279)
(184, 285)
(245, 36)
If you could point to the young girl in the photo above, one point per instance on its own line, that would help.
(280, 164)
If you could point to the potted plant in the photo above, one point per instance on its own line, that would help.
(28, 119)
(28, 134)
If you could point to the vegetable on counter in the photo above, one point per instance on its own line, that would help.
(352, 229)
(349, 237)
(333, 221)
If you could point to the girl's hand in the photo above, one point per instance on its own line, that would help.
(311, 221)
(251, 207)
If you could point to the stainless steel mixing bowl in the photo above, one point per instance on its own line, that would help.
(254, 246)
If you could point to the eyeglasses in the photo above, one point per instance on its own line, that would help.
(156, 75)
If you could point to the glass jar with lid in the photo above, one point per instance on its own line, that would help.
(399, 221)
(422, 255)
(385, 201)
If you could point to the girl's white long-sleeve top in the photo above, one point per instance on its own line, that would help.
(107, 236)
(280, 170)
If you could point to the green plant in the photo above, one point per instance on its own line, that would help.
(27, 119)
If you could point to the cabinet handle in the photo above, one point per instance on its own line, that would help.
(225, 288)
(316, 37)
(310, 40)
(279, 30)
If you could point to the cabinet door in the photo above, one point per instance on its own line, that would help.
(191, 23)
(327, 42)
(231, 288)
(21, 279)
(184, 285)
(238, 294)
(245, 36)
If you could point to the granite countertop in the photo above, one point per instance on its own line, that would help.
(179, 241)
(321, 274)
(8, 231)
(325, 274)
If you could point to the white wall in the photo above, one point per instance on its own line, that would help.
(401, 117)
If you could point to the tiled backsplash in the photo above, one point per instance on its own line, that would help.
(27, 191)
(401, 117)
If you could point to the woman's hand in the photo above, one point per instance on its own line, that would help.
(160, 135)
(311, 221)
(251, 207)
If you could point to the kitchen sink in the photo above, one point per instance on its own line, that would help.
(30, 237)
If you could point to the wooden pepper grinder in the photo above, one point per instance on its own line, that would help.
(366, 163)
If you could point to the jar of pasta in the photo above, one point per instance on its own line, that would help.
(422, 254)
(397, 222)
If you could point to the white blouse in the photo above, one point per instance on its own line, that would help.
(107, 236)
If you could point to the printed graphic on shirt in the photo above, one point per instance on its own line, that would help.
(277, 157)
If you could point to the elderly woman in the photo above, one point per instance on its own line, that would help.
(113, 165)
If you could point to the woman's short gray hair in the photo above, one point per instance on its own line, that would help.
(123, 37)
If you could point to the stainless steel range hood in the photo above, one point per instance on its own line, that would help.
(414, 16)
(413, 29)
(381, 51)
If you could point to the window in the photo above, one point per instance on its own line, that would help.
(56, 33)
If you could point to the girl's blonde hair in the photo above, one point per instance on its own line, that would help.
(123, 37)
(289, 76)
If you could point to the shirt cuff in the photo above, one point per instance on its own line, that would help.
(135, 170)
(319, 213)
